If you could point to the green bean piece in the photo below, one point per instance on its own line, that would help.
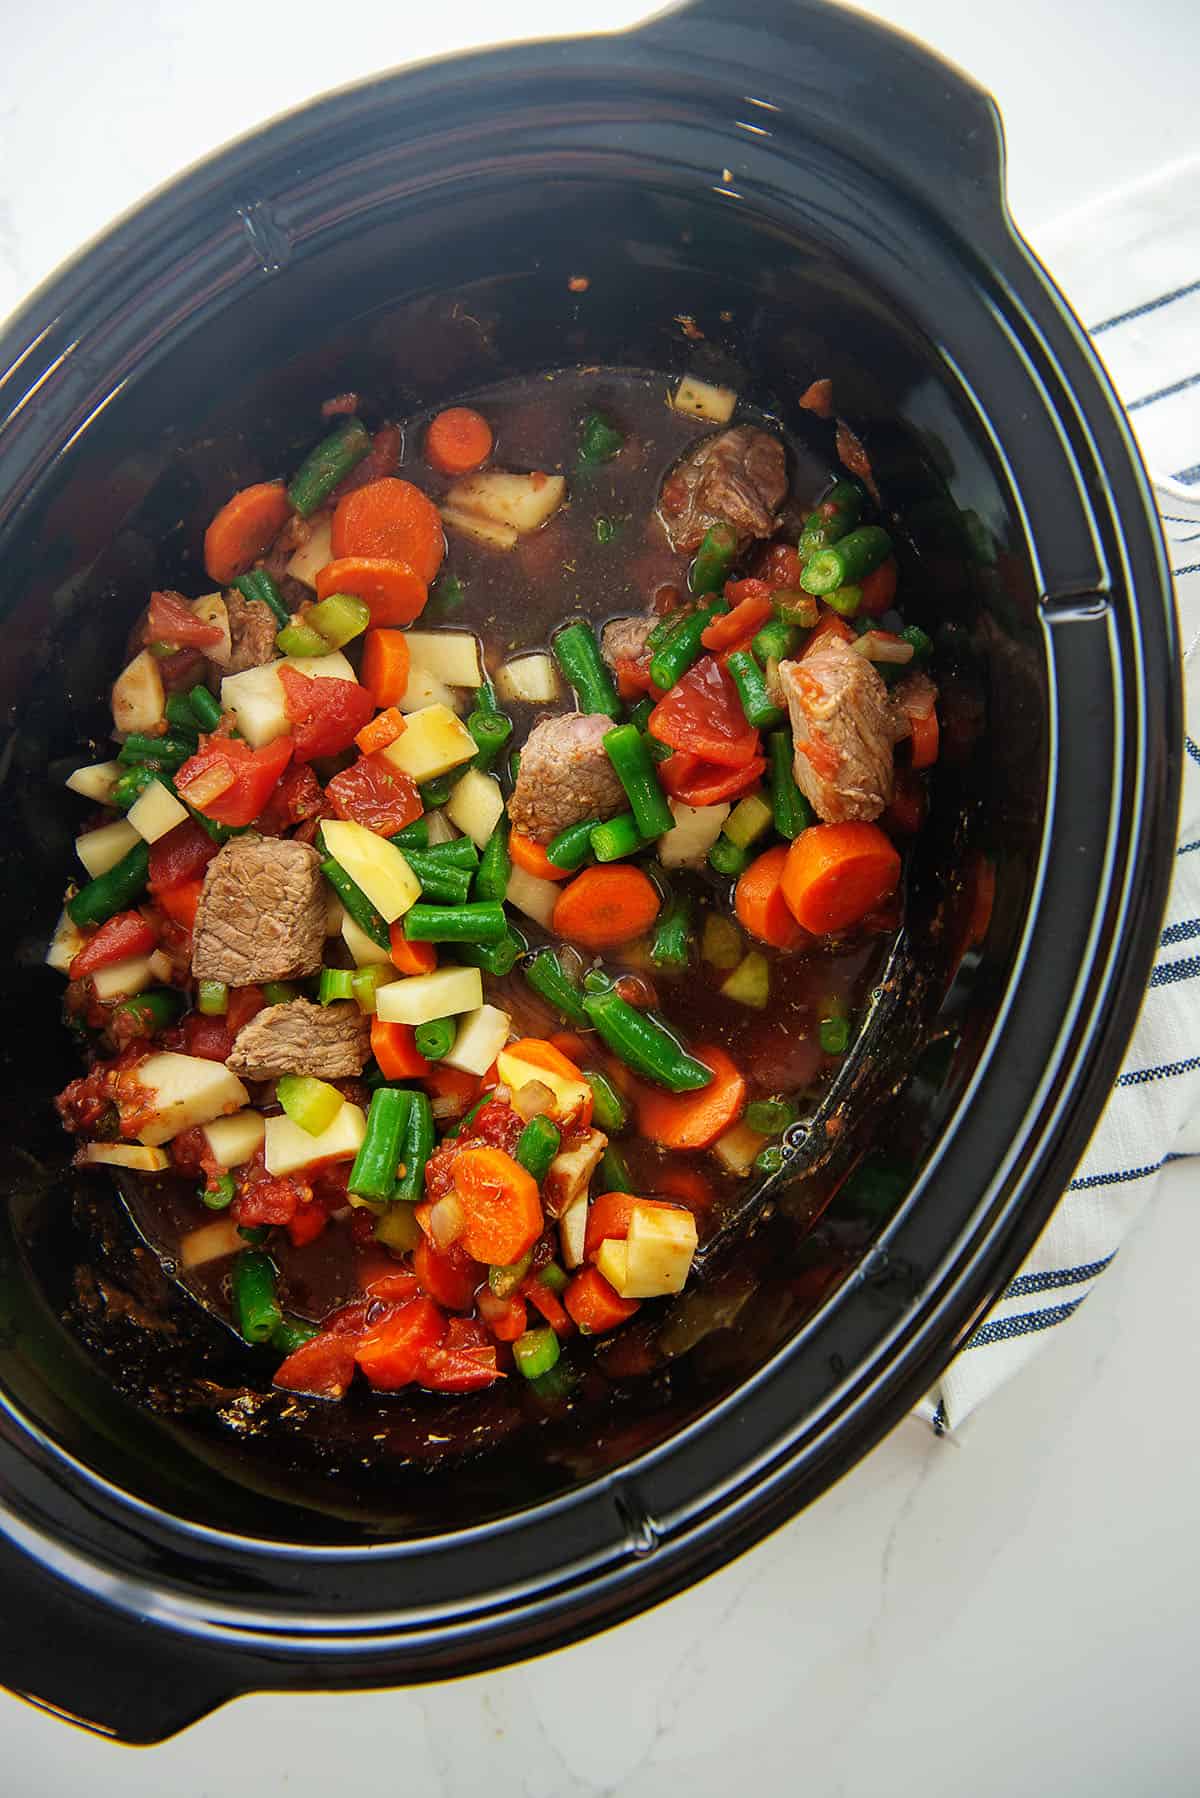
(112, 891)
(254, 1234)
(922, 644)
(356, 903)
(644, 1045)
(280, 992)
(461, 853)
(834, 516)
(413, 836)
(553, 1277)
(436, 792)
(665, 629)
(612, 1172)
(791, 809)
(445, 885)
(545, 975)
(291, 1333)
(149, 1012)
(180, 715)
(639, 714)
(494, 958)
(846, 562)
(757, 704)
(481, 923)
(674, 657)
(415, 1151)
(328, 464)
(434, 1039)
(535, 1352)
(300, 640)
(770, 1116)
(770, 1159)
(834, 1034)
(220, 1192)
(714, 559)
(845, 602)
(206, 707)
(503, 1281)
(617, 838)
(726, 858)
(609, 1110)
(596, 981)
(491, 879)
(256, 1310)
(446, 595)
(212, 998)
(537, 1146)
(373, 1175)
(796, 608)
(491, 731)
(572, 846)
(159, 752)
(775, 641)
(578, 655)
(626, 750)
(335, 984)
(606, 530)
(339, 618)
(599, 440)
(130, 786)
(671, 944)
(260, 585)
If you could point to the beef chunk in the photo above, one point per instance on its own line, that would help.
(623, 639)
(844, 727)
(330, 1041)
(252, 629)
(261, 914)
(736, 477)
(915, 694)
(565, 776)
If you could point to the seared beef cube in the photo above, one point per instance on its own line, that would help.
(261, 914)
(330, 1041)
(565, 776)
(623, 639)
(844, 726)
(737, 477)
(252, 629)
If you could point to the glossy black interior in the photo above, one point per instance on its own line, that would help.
(370, 249)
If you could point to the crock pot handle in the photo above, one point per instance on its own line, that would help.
(867, 88)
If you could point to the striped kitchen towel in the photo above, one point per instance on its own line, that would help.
(1130, 266)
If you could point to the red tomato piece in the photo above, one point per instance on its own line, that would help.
(180, 903)
(383, 458)
(373, 793)
(180, 856)
(307, 1223)
(323, 1366)
(450, 1278)
(245, 1002)
(703, 714)
(172, 620)
(255, 774)
(297, 797)
(697, 782)
(326, 715)
(391, 1352)
(129, 933)
(465, 1361)
(267, 1201)
(539, 1295)
(209, 1038)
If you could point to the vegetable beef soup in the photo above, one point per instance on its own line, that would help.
(490, 870)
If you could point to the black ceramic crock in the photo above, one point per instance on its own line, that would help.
(823, 198)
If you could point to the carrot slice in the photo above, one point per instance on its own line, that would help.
(747, 617)
(568, 1043)
(925, 739)
(244, 527)
(385, 666)
(442, 1082)
(530, 856)
(829, 624)
(760, 905)
(608, 1216)
(393, 521)
(878, 589)
(592, 1303)
(501, 1205)
(606, 906)
(693, 1120)
(836, 873)
(380, 731)
(458, 440)
(538, 1053)
(410, 958)
(394, 1049)
(392, 590)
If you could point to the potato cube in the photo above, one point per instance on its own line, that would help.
(433, 742)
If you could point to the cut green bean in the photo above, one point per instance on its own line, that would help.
(671, 944)
(130, 786)
(373, 1175)
(572, 846)
(846, 562)
(158, 752)
(335, 984)
(599, 440)
(770, 1116)
(491, 879)
(356, 903)
(260, 585)
(845, 602)
(921, 642)
(446, 595)
(434, 1039)
(494, 958)
(112, 891)
(578, 655)
(445, 885)
(612, 1174)
(775, 641)
(256, 1309)
(644, 1045)
(328, 464)
(714, 559)
(727, 858)
(436, 792)
(482, 923)
(609, 1111)
(415, 1151)
(791, 809)
(626, 750)
(535, 1352)
(206, 707)
(617, 837)
(339, 618)
(833, 517)
(291, 1333)
(639, 714)
(757, 704)
(212, 998)
(413, 836)
(491, 731)
(503, 1281)
(545, 975)
(220, 1192)
(180, 715)
(461, 853)
(674, 657)
(537, 1146)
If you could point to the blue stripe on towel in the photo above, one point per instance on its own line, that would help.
(1054, 1277)
(1001, 1329)
(1155, 305)
(1163, 393)
(1166, 1070)
(1169, 973)
(1182, 932)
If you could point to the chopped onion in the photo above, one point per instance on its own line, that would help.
(533, 1100)
(210, 784)
(447, 1221)
(446, 1105)
(879, 646)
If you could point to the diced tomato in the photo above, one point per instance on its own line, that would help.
(180, 672)
(878, 589)
(737, 591)
(179, 903)
(180, 856)
(323, 1366)
(326, 715)
(391, 1352)
(373, 793)
(209, 1038)
(267, 1201)
(924, 739)
(395, 1285)
(697, 782)
(703, 714)
(383, 458)
(129, 933)
(539, 1295)
(255, 773)
(451, 1278)
(297, 797)
(465, 1361)
(245, 1002)
(171, 620)
(307, 1223)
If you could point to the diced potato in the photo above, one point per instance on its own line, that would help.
(453, 656)
(695, 830)
(65, 944)
(364, 949)
(737, 1149)
(125, 1154)
(446, 993)
(476, 805)
(572, 1231)
(570, 1172)
(288, 1148)
(524, 501)
(656, 1256)
(235, 1139)
(480, 530)
(122, 979)
(721, 943)
(162, 969)
(375, 865)
(96, 781)
(210, 1242)
(532, 895)
(532, 678)
(211, 609)
(481, 1036)
(750, 982)
(138, 700)
(312, 556)
(440, 828)
(433, 742)
(155, 811)
(186, 1090)
(701, 400)
(100, 850)
(570, 1096)
(424, 688)
(255, 697)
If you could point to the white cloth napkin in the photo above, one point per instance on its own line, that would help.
(1130, 265)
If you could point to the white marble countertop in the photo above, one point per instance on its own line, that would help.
(1012, 1608)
